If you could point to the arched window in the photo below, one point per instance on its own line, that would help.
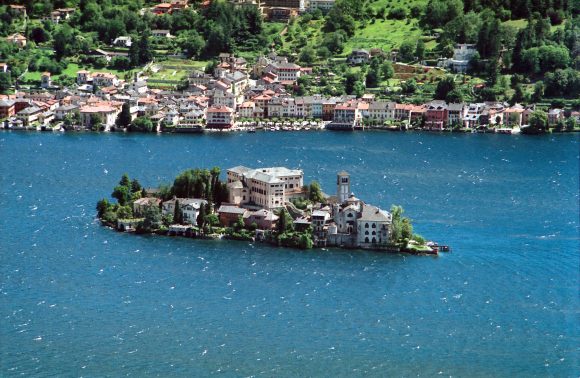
(366, 232)
(366, 240)
(349, 215)
(366, 225)
(374, 233)
(374, 225)
(374, 240)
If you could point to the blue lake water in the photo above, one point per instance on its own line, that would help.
(77, 299)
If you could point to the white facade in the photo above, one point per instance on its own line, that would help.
(265, 187)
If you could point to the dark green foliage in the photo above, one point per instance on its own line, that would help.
(142, 124)
(124, 118)
(5, 82)
(102, 206)
(151, 221)
(407, 51)
(397, 13)
(315, 193)
(444, 86)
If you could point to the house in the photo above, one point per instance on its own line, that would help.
(373, 227)
(264, 219)
(83, 77)
(62, 111)
(358, 56)
(267, 188)
(455, 114)
(381, 110)
(45, 80)
(19, 10)
(124, 41)
(141, 205)
(161, 34)
(513, 116)
(555, 115)
(3, 67)
(105, 111)
(7, 108)
(347, 116)
(473, 115)
(104, 79)
(163, 8)
(437, 115)
(17, 39)
(189, 208)
(29, 115)
(324, 5)
(230, 214)
(171, 117)
(462, 55)
(220, 117)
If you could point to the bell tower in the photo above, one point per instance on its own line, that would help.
(342, 186)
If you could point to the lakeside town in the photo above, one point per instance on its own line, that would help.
(229, 99)
(270, 205)
(125, 81)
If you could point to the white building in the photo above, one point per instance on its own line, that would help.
(323, 5)
(189, 207)
(268, 188)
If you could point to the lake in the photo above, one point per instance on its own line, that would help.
(78, 299)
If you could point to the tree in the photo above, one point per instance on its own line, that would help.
(518, 95)
(5, 82)
(64, 42)
(145, 53)
(96, 121)
(315, 193)
(305, 241)
(455, 96)
(538, 123)
(102, 206)
(201, 216)
(39, 35)
(396, 225)
(151, 221)
(406, 51)
(122, 194)
(191, 43)
(125, 181)
(124, 118)
(143, 124)
(420, 50)
(406, 228)
(177, 213)
(136, 186)
(538, 91)
(284, 222)
(307, 55)
(387, 70)
(445, 85)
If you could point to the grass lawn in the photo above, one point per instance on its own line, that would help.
(71, 70)
(385, 34)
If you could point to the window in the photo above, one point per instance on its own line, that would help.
(366, 232)
(366, 240)
(374, 232)
(366, 225)
(374, 225)
(374, 240)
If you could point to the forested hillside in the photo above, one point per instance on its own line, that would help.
(526, 49)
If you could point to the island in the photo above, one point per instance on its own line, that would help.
(268, 205)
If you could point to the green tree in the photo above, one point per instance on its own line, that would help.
(201, 217)
(315, 192)
(407, 50)
(305, 241)
(284, 222)
(406, 228)
(445, 85)
(387, 70)
(5, 82)
(538, 122)
(420, 50)
(136, 186)
(307, 56)
(102, 206)
(124, 118)
(177, 213)
(122, 194)
(151, 220)
(125, 180)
